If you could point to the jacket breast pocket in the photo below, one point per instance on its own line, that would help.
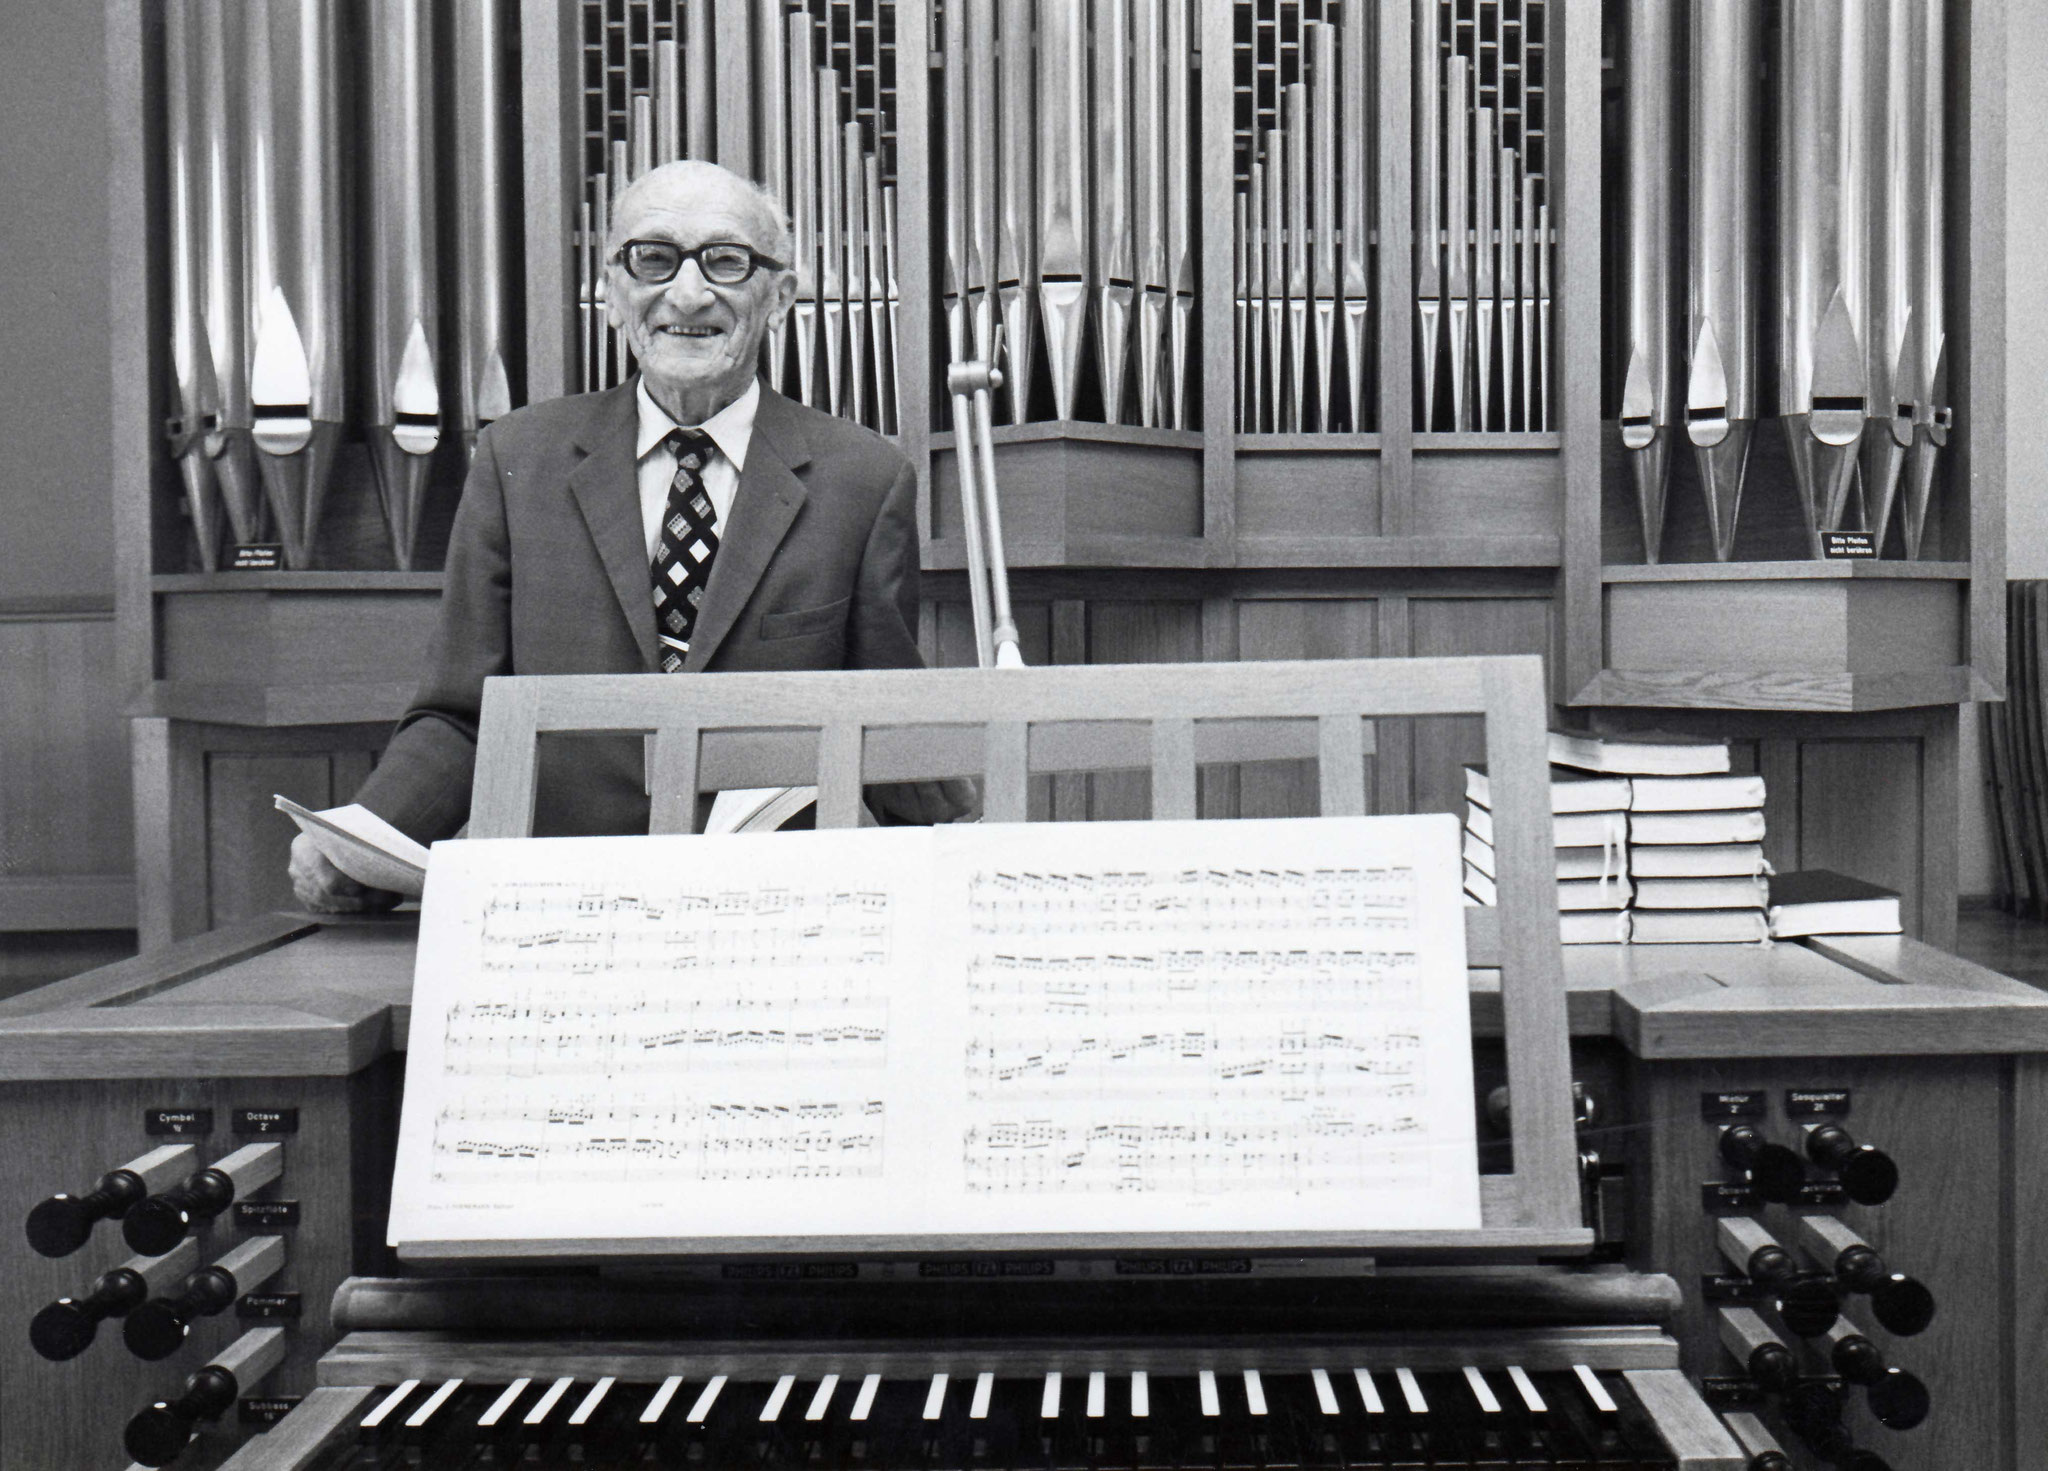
(795, 622)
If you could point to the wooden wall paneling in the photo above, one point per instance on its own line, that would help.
(1067, 796)
(170, 831)
(1859, 814)
(64, 803)
(1392, 70)
(1977, 322)
(1572, 55)
(1151, 632)
(915, 370)
(551, 105)
(1215, 334)
(2025, 1171)
(1778, 764)
(1940, 823)
(135, 307)
(1473, 492)
(1219, 784)
(248, 840)
(1300, 628)
(1313, 492)
(1451, 625)
(1394, 750)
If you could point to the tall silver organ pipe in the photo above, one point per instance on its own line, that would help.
(1823, 243)
(1110, 141)
(697, 90)
(219, 35)
(1429, 183)
(831, 237)
(484, 282)
(1063, 150)
(1016, 272)
(957, 156)
(1294, 122)
(1928, 366)
(403, 412)
(297, 377)
(1321, 46)
(197, 415)
(1148, 199)
(1180, 251)
(803, 207)
(1457, 179)
(1721, 322)
(981, 175)
(1646, 396)
(853, 181)
(1354, 188)
(771, 141)
(1888, 426)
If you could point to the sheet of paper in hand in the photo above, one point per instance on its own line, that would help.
(978, 1033)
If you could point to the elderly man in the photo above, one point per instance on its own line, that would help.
(693, 519)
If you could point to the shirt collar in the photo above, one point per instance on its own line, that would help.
(731, 428)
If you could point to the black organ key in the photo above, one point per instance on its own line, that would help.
(1181, 1435)
(683, 1431)
(1491, 1442)
(1594, 1415)
(1062, 1421)
(817, 1436)
(497, 1422)
(1533, 1444)
(1152, 1439)
(1412, 1437)
(890, 1436)
(1307, 1404)
(382, 1422)
(732, 1436)
(428, 1422)
(775, 1436)
(1111, 1442)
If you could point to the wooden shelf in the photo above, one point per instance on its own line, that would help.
(1814, 570)
(1395, 551)
(219, 703)
(1050, 430)
(211, 582)
(1253, 444)
(1440, 441)
(1780, 689)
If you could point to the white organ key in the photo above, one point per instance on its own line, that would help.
(592, 1400)
(1212, 1404)
(658, 1406)
(1098, 1394)
(502, 1403)
(705, 1401)
(1411, 1392)
(1049, 1398)
(1254, 1392)
(1369, 1392)
(777, 1398)
(865, 1400)
(434, 1402)
(386, 1405)
(1141, 1396)
(822, 1398)
(984, 1387)
(1595, 1390)
(545, 1405)
(1482, 1391)
(935, 1398)
(1326, 1396)
(1526, 1388)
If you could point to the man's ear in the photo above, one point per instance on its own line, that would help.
(785, 297)
(611, 300)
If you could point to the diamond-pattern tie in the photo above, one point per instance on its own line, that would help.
(685, 547)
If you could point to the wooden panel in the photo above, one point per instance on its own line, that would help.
(290, 638)
(1859, 814)
(1137, 633)
(1864, 627)
(64, 795)
(248, 840)
(1304, 494)
(1307, 628)
(1450, 626)
(1503, 493)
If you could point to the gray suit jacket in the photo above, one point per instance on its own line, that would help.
(548, 574)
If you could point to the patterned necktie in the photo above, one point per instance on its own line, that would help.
(685, 547)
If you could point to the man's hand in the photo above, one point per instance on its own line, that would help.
(325, 889)
(926, 802)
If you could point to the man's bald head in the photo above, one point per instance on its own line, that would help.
(688, 184)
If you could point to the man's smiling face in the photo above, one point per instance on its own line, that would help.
(698, 343)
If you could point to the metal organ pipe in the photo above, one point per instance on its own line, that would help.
(1646, 392)
(197, 418)
(485, 324)
(1928, 367)
(218, 36)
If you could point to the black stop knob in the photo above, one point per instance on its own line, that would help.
(1902, 1305)
(1772, 1366)
(156, 1328)
(1808, 1304)
(1775, 1172)
(1771, 1265)
(1867, 1173)
(159, 1223)
(1770, 1461)
(63, 1223)
(1860, 1268)
(65, 1328)
(1855, 1357)
(156, 1435)
(1898, 1399)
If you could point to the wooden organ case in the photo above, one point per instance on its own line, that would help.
(1630, 1266)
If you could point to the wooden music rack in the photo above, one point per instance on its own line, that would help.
(841, 729)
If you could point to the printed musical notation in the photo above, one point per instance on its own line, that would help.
(566, 1034)
(1284, 1065)
(1129, 981)
(587, 1138)
(583, 929)
(1204, 1154)
(1181, 901)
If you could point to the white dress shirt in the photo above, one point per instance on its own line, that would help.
(731, 430)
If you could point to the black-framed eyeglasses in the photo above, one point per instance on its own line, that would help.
(721, 262)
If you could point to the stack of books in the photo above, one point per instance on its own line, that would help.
(1817, 902)
(1695, 851)
(1590, 815)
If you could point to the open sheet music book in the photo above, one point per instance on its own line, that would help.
(968, 1031)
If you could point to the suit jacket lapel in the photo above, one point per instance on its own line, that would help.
(607, 492)
(769, 496)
